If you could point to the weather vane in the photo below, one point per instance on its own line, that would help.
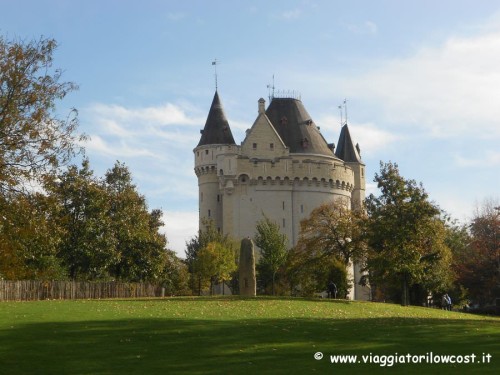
(271, 93)
(344, 107)
(214, 63)
(345, 110)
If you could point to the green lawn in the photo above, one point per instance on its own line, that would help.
(235, 336)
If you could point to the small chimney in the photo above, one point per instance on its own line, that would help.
(262, 105)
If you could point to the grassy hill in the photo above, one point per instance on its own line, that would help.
(240, 336)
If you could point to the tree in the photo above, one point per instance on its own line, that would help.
(139, 243)
(207, 234)
(332, 229)
(273, 249)
(175, 275)
(89, 246)
(330, 239)
(215, 263)
(309, 272)
(458, 240)
(33, 140)
(30, 237)
(478, 270)
(405, 235)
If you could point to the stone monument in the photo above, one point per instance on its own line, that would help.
(248, 284)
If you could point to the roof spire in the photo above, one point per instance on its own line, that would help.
(216, 130)
(345, 147)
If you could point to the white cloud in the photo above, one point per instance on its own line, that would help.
(166, 114)
(291, 14)
(120, 131)
(370, 137)
(487, 160)
(156, 144)
(371, 188)
(176, 16)
(448, 90)
(121, 148)
(364, 28)
(179, 227)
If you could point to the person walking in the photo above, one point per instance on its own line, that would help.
(332, 290)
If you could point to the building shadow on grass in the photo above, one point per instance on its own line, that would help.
(246, 346)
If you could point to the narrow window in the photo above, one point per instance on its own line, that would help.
(362, 172)
(218, 198)
(209, 213)
(271, 146)
(283, 223)
(197, 153)
(206, 152)
(301, 208)
(254, 146)
(201, 197)
(283, 205)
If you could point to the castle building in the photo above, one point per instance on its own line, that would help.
(284, 168)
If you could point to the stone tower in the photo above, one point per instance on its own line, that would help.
(284, 168)
(215, 143)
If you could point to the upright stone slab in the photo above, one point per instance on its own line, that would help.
(248, 284)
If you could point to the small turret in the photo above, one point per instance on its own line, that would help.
(215, 134)
(351, 155)
(345, 147)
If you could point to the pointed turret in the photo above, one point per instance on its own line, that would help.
(216, 130)
(346, 149)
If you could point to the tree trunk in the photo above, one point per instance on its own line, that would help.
(405, 292)
(272, 286)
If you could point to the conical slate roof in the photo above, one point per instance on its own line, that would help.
(345, 148)
(296, 128)
(216, 130)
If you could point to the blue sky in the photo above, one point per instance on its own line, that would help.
(421, 78)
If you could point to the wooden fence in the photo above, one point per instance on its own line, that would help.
(31, 290)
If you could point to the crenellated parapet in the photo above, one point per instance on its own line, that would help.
(206, 169)
(244, 179)
(324, 172)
